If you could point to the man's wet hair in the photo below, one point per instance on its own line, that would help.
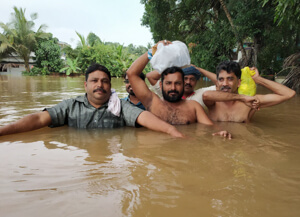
(171, 70)
(95, 67)
(229, 66)
(142, 76)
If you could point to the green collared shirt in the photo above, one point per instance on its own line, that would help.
(79, 113)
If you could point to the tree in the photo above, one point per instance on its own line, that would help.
(19, 36)
(93, 39)
(5, 53)
(83, 42)
(48, 55)
(116, 57)
(70, 52)
(286, 10)
(289, 12)
(239, 41)
(213, 30)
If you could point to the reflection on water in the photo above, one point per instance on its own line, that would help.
(137, 172)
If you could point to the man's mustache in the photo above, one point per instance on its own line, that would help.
(225, 87)
(188, 85)
(173, 91)
(100, 89)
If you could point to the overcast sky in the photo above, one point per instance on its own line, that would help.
(112, 20)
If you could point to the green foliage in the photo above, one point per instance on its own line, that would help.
(93, 39)
(48, 56)
(117, 58)
(70, 52)
(19, 36)
(36, 71)
(288, 10)
(72, 67)
(176, 20)
(207, 54)
(273, 42)
(204, 26)
(138, 51)
(83, 42)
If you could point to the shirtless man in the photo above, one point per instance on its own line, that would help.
(191, 76)
(172, 108)
(228, 107)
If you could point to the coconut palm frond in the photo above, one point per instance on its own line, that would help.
(42, 28)
(292, 63)
(82, 42)
(19, 36)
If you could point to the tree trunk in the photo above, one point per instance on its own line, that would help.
(256, 48)
(297, 41)
(244, 55)
(26, 63)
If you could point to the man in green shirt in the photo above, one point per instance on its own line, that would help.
(97, 109)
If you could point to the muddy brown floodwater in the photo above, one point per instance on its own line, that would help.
(137, 172)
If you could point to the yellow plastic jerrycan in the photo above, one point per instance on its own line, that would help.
(248, 86)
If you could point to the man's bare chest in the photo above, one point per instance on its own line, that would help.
(175, 116)
(236, 113)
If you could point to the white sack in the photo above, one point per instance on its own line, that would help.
(175, 54)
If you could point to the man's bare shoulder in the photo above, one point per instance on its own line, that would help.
(190, 106)
(192, 103)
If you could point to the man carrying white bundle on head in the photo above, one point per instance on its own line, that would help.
(177, 54)
(171, 108)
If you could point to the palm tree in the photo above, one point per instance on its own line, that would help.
(83, 42)
(18, 36)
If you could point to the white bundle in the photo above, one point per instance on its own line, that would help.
(175, 54)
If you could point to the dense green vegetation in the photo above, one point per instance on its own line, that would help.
(47, 56)
(213, 30)
(19, 38)
(117, 58)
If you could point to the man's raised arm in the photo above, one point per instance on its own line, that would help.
(28, 123)
(280, 93)
(139, 87)
(208, 74)
(153, 77)
(210, 97)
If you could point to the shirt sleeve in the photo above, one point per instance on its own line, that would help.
(156, 89)
(59, 113)
(198, 95)
(130, 113)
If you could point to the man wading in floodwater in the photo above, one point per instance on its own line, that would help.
(131, 95)
(224, 104)
(98, 108)
(171, 108)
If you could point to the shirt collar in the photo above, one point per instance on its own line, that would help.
(183, 97)
(84, 99)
